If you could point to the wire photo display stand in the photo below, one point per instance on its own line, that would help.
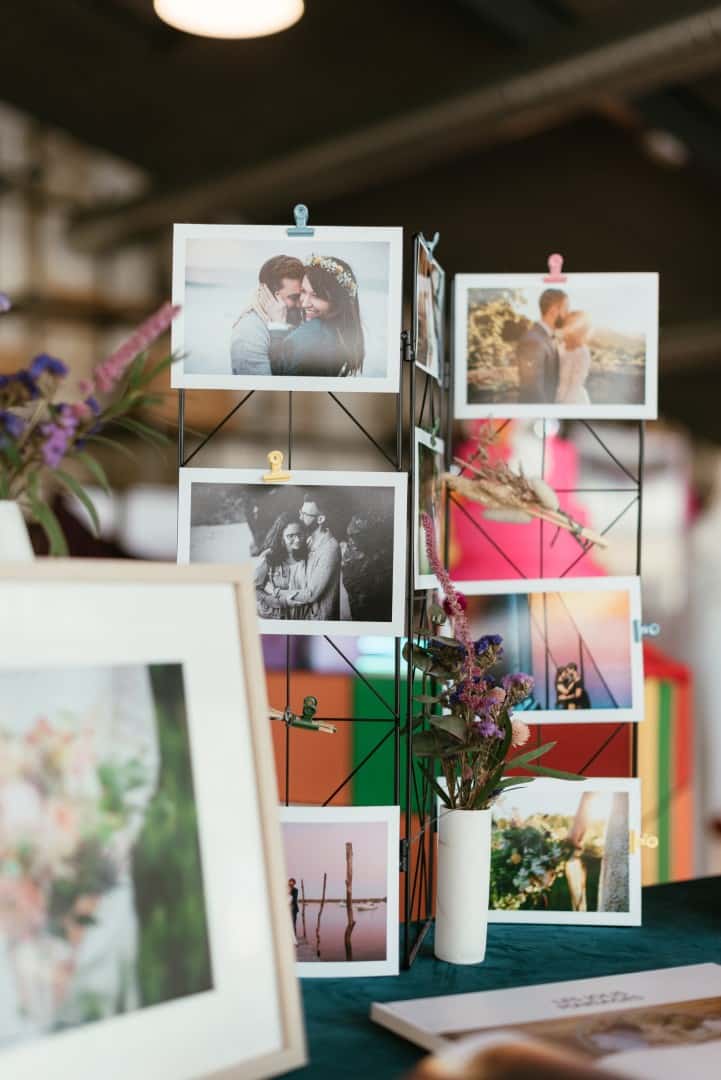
(422, 401)
(396, 710)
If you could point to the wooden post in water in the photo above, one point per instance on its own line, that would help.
(302, 908)
(320, 912)
(349, 900)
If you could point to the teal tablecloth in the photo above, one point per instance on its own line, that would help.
(681, 925)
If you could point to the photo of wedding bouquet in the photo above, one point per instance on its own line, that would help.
(93, 795)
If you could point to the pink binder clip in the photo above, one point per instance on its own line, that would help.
(555, 266)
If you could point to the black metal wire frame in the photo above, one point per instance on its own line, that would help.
(633, 486)
(430, 409)
(399, 709)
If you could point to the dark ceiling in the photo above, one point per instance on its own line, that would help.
(514, 127)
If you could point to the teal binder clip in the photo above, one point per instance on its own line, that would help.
(301, 227)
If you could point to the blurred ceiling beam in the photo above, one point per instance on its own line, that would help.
(518, 20)
(690, 347)
(546, 94)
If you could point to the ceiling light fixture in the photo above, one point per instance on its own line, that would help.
(230, 18)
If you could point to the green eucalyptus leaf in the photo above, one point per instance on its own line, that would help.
(46, 519)
(143, 431)
(442, 794)
(81, 495)
(425, 744)
(93, 467)
(114, 444)
(426, 699)
(453, 725)
(529, 755)
(559, 774)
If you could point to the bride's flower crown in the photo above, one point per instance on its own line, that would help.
(342, 276)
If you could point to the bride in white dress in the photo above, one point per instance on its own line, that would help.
(575, 360)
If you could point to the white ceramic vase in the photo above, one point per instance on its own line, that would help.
(462, 894)
(15, 543)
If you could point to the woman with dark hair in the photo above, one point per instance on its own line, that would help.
(329, 341)
(281, 568)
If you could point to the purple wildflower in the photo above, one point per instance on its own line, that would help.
(58, 436)
(13, 424)
(489, 729)
(50, 364)
(489, 643)
(517, 686)
(5, 303)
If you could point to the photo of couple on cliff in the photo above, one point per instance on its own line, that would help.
(574, 348)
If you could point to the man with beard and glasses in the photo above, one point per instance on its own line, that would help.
(322, 568)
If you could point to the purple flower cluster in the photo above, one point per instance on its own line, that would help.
(487, 642)
(10, 424)
(489, 729)
(58, 436)
(24, 385)
(517, 687)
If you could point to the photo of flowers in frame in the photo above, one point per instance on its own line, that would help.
(429, 309)
(584, 348)
(327, 548)
(342, 865)
(119, 909)
(579, 638)
(262, 310)
(567, 853)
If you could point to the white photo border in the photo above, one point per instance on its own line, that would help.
(388, 384)
(105, 612)
(462, 410)
(435, 444)
(632, 917)
(390, 815)
(313, 478)
(421, 244)
(631, 585)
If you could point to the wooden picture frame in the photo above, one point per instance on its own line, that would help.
(61, 615)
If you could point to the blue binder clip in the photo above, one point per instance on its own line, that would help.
(301, 227)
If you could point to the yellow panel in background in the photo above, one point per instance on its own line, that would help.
(648, 772)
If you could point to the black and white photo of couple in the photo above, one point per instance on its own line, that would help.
(268, 311)
(322, 554)
(585, 347)
(303, 319)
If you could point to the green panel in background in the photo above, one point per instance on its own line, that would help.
(665, 782)
(373, 784)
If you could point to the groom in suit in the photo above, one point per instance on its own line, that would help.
(537, 353)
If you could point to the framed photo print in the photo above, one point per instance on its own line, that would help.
(428, 309)
(567, 852)
(328, 548)
(133, 732)
(342, 865)
(586, 348)
(262, 310)
(578, 637)
(428, 497)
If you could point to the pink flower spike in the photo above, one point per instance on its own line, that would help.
(86, 386)
(110, 370)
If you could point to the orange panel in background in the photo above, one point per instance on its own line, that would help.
(318, 762)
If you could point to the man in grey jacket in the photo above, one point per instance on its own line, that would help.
(537, 353)
(250, 337)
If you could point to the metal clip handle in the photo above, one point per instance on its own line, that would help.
(301, 227)
(277, 474)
